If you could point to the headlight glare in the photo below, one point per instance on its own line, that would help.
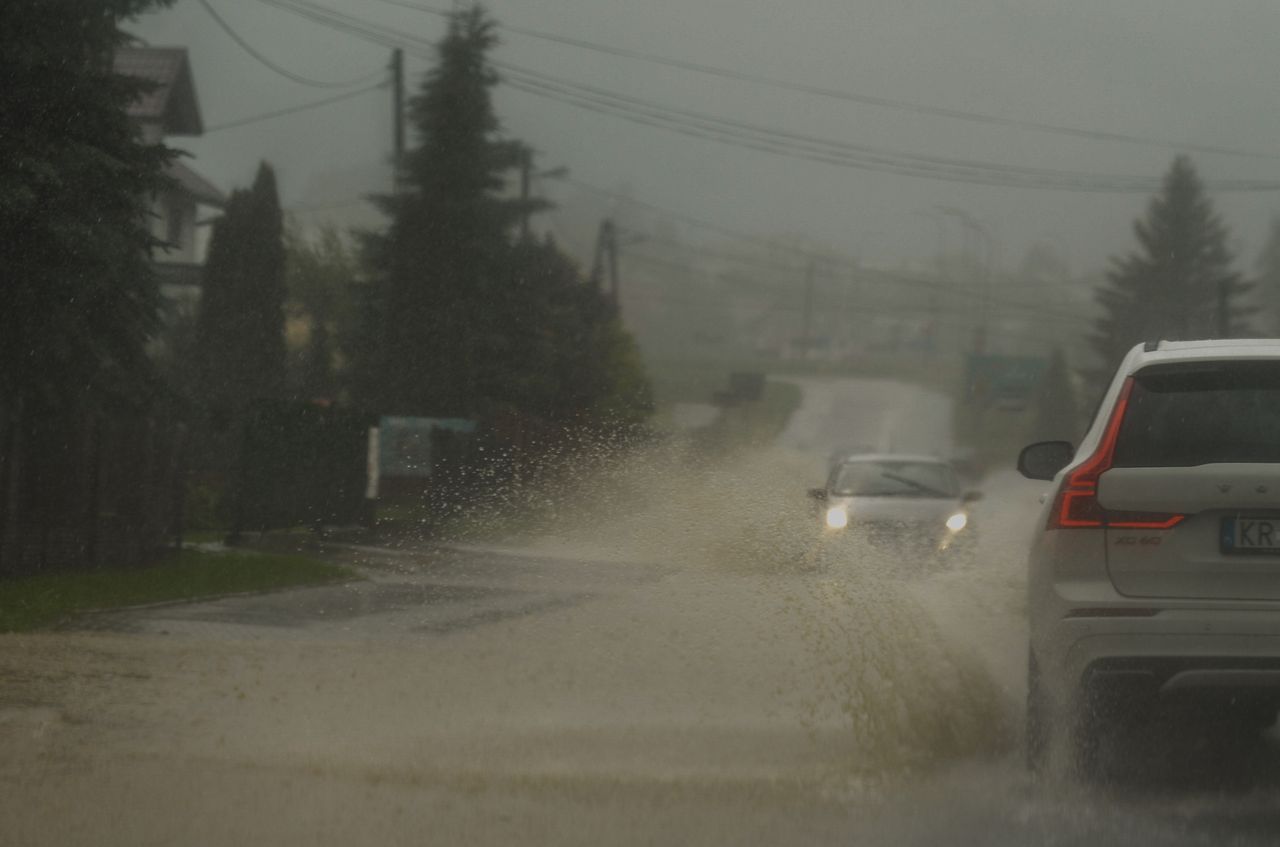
(957, 522)
(837, 517)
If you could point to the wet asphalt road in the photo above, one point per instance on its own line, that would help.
(560, 693)
(1177, 785)
(404, 591)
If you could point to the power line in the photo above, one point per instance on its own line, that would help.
(701, 223)
(844, 154)
(690, 123)
(351, 25)
(872, 276)
(863, 99)
(865, 307)
(765, 139)
(289, 110)
(879, 277)
(266, 62)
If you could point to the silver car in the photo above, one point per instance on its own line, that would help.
(912, 502)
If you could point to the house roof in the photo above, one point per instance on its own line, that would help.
(172, 102)
(195, 186)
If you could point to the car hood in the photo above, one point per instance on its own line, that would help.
(916, 510)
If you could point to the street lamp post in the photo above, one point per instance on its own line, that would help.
(940, 266)
(979, 229)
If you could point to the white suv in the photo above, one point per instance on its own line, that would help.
(1155, 572)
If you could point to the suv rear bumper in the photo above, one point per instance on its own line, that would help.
(1219, 687)
(1175, 654)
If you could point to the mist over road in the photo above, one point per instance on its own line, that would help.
(875, 415)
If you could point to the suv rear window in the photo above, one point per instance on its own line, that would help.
(1195, 414)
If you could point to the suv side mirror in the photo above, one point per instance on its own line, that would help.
(819, 494)
(1044, 459)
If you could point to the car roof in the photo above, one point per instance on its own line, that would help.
(1212, 349)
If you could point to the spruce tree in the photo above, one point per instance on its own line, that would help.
(321, 278)
(465, 317)
(570, 360)
(240, 329)
(434, 342)
(78, 300)
(1170, 287)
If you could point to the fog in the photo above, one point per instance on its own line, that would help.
(1184, 75)
(713, 538)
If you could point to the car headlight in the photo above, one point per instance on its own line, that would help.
(837, 517)
(957, 522)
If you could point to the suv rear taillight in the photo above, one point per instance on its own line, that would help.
(1077, 506)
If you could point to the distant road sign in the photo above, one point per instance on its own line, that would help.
(991, 375)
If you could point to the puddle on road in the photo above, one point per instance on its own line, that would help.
(764, 666)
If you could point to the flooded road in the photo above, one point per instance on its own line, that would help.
(680, 658)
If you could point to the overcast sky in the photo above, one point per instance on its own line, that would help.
(1183, 71)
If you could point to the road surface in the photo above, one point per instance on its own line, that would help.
(679, 658)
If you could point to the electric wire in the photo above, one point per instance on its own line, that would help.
(864, 307)
(289, 110)
(266, 62)
(845, 154)
(863, 99)
(871, 276)
(768, 140)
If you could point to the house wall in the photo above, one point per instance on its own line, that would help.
(173, 221)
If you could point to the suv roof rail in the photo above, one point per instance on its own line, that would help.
(1151, 346)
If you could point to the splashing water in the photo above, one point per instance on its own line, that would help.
(882, 676)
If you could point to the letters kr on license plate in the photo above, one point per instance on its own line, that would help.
(1251, 535)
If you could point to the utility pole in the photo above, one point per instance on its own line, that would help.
(528, 203)
(975, 227)
(607, 250)
(526, 177)
(1224, 309)
(615, 282)
(805, 340)
(940, 264)
(397, 111)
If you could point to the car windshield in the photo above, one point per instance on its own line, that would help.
(889, 478)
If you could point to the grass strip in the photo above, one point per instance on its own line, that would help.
(32, 602)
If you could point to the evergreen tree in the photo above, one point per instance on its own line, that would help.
(1171, 286)
(465, 318)
(78, 301)
(240, 329)
(434, 343)
(321, 277)
(570, 359)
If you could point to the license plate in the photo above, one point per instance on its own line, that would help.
(1250, 535)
